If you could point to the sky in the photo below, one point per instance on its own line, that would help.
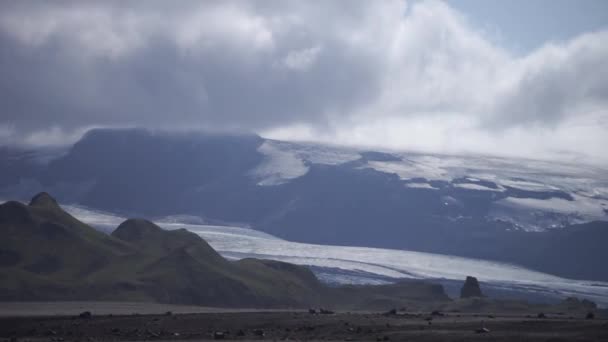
(513, 78)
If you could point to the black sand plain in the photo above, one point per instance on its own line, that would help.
(60, 321)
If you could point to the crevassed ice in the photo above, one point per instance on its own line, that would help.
(237, 243)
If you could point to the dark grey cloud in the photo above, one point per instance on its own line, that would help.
(210, 82)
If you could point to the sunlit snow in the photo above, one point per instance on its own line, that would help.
(420, 186)
(586, 184)
(478, 187)
(278, 166)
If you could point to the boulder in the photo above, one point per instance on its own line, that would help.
(85, 315)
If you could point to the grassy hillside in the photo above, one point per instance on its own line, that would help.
(46, 254)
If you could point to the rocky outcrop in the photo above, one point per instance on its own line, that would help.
(470, 288)
(43, 199)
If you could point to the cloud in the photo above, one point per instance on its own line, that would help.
(555, 83)
(390, 74)
(301, 60)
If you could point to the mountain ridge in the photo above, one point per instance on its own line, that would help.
(50, 255)
(316, 194)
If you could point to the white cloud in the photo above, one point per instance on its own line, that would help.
(383, 73)
(92, 31)
(212, 26)
(301, 59)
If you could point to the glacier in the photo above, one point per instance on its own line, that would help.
(586, 186)
(364, 265)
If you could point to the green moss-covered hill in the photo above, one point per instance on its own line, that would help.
(46, 254)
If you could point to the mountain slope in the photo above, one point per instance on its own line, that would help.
(479, 207)
(44, 239)
(47, 254)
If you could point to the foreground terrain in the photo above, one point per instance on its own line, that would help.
(300, 325)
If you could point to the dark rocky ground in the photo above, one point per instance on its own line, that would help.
(299, 325)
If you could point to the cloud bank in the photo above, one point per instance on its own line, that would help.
(388, 74)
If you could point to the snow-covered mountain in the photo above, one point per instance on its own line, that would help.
(547, 216)
(533, 195)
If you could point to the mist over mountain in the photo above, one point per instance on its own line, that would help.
(520, 211)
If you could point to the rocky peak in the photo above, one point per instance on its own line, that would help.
(43, 199)
(135, 229)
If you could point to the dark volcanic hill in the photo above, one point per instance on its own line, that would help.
(46, 254)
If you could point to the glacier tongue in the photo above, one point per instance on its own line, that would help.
(342, 264)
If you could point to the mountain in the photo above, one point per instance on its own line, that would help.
(46, 254)
(512, 210)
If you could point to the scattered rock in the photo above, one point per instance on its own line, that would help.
(482, 330)
(470, 288)
(325, 312)
(86, 315)
(152, 334)
(541, 315)
(312, 311)
(437, 313)
(391, 312)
